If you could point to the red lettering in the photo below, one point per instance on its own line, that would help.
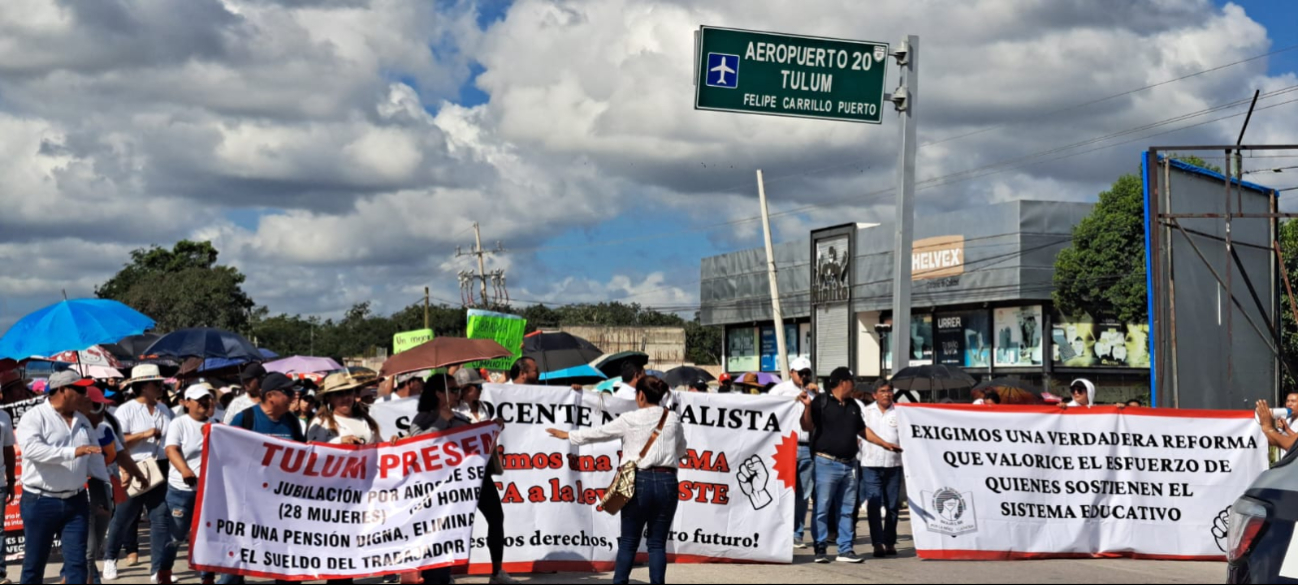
(453, 455)
(470, 445)
(271, 450)
(356, 468)
(409, 460)
(289, 465)
(310, 467)
(333, 465)
(430, 458)
(387, 463)
(511, 495)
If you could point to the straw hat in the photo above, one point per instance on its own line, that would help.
(144, 373)
(342, 382)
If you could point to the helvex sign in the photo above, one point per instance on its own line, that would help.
(790, 75)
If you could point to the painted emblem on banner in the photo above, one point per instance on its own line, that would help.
(952, 512)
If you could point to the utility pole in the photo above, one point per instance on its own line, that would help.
(781, 358)
(904, 98)
(466, 277)
(425, 307)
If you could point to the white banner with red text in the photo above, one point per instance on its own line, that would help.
(1023, 482)
(735, 484)
(276, 509)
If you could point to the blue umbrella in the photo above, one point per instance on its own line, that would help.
(583, 374)
(72, 325)
(218, 363)
(204, 342)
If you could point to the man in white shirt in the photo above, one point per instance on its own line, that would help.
(881, 472)
(631, 376)
(144, 422)
(56, 441)
(525, 372)
(251, 396)
(801, 381)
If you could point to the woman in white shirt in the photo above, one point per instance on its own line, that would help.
(184, 446)
(656, 488)
(144, 425)
(340, 420)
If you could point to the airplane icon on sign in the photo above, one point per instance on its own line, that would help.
(720, 64)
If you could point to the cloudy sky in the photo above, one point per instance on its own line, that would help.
(339, 150)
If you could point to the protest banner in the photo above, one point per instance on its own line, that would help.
(1027, 482)
(277, 509)
(410, 339)
(503, 328)
(736, 483)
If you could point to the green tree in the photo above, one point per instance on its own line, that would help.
(1103, 272)
(182, 287)
(1289, 327)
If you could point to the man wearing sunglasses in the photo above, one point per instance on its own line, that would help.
(57, 442)
(1083, 393)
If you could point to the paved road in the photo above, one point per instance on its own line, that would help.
(905, 568)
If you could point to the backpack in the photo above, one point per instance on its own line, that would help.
(247, 421)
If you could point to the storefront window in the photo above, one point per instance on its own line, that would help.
(921, 341)
(1018, 337)
(964, 339)
(741, 347)
(1082, 342)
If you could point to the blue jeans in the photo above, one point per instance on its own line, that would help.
(181, 514)
(654, 505)
(802, 491)
(881, 488)
(835, 497)
(154, 502)
(45, 517)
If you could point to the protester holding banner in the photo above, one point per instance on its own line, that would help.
(57, 442)
(436, 414)
(881, 473)
(271, 416)
(341, 420)
(524, 372)
(632, 373)
(7, 441)
(1083, 393)
(656, 487)
(251, 378)
(801, 382)
(470, 383)
(404, 386)
(144, 426)
(835, 421)
(184, 446)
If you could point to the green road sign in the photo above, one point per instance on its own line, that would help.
(790, 75)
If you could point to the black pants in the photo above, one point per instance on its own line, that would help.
(489, 505)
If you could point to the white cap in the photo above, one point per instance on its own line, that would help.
(799, 364)
(199, 390)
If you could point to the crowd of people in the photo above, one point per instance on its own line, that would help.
(100, 454)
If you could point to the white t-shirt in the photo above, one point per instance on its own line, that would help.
(6, 440)
(625, 391)
(187, 434)
(347, 427)
(240, 403)
(135, 418)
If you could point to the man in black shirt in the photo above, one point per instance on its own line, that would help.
(834, 421)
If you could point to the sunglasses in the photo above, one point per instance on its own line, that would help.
(1079, 390)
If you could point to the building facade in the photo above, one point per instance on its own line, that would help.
(981, 300)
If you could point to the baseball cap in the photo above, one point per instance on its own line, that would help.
(68, 378)
(800, 364)
(468, 377)
(96, 395)
(254, 372)
(199, 390)
(276, 382)
(839, 375)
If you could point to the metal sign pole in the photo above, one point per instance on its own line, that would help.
(908, 63)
